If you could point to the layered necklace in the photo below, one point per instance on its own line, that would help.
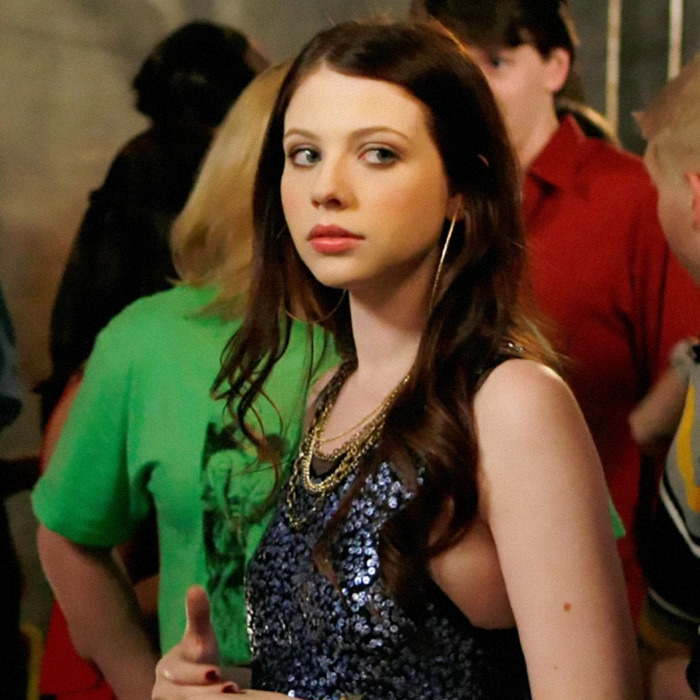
(364, 435)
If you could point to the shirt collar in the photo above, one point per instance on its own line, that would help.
(556, 164)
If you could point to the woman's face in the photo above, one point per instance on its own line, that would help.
(364, 190)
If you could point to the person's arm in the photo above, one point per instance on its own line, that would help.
(654, 420)
(103, 617)
(692, 673)
(668, 680)
(543, 498)
(86, 502)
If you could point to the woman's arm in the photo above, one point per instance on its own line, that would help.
(103, 616)
(544, 499)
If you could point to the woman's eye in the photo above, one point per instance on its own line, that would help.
(380, 156)
(304, 157)
(496, 61)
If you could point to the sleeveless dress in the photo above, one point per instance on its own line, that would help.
(315, 640)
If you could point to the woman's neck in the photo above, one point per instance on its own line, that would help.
(387, 326)
(387, 330)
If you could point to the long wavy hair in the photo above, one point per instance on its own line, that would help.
(429, 432)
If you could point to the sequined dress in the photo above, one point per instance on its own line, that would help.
(311, 642)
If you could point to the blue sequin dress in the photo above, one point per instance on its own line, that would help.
(313, 641)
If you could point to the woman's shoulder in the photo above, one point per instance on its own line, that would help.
(517, 382)
(530, 427)
(520, 401)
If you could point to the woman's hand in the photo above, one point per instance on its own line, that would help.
(191, 668)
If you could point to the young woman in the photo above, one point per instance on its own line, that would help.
(445, 530)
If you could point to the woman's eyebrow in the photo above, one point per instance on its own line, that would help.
(357, 134)
(370, 130)
(299, 132)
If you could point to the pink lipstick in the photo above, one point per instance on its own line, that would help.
(332, 240)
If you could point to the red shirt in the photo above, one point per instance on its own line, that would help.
(617, 298)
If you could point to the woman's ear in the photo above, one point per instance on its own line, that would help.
(694, 180)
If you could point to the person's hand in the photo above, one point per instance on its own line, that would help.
(190, 669)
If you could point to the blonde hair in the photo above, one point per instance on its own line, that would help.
(671, 123)
(212, 238)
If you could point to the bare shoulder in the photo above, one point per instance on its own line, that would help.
(543, 498)
(523, 391)
(529, 423)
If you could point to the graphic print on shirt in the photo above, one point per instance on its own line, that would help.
(238, 492)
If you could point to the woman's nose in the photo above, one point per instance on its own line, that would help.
(331, 188)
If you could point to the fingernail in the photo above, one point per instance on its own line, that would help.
(212, 676)
(230, 688)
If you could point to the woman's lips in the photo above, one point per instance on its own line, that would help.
(332, 239)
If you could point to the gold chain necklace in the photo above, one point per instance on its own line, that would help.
(359, 424)
(350, 452)
(335, 454)
(359, 430)
(355, 428)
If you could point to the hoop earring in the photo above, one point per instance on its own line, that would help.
(438, 273)
(323, 318)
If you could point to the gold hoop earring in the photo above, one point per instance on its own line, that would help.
(323, 318)
(438, 273)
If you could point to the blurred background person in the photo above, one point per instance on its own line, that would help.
(144, 434)
(121, 252)
(600, 267)
(668, 629)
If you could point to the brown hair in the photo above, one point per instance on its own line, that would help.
(490, 24)
(494, 24)
(430, 427)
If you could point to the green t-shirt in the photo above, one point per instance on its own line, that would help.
(144, 431)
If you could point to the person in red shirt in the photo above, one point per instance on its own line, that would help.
(615, 299)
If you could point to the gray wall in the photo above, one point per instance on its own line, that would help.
(65, 68)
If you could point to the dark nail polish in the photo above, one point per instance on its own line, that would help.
(212, 676)
(230, 688)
